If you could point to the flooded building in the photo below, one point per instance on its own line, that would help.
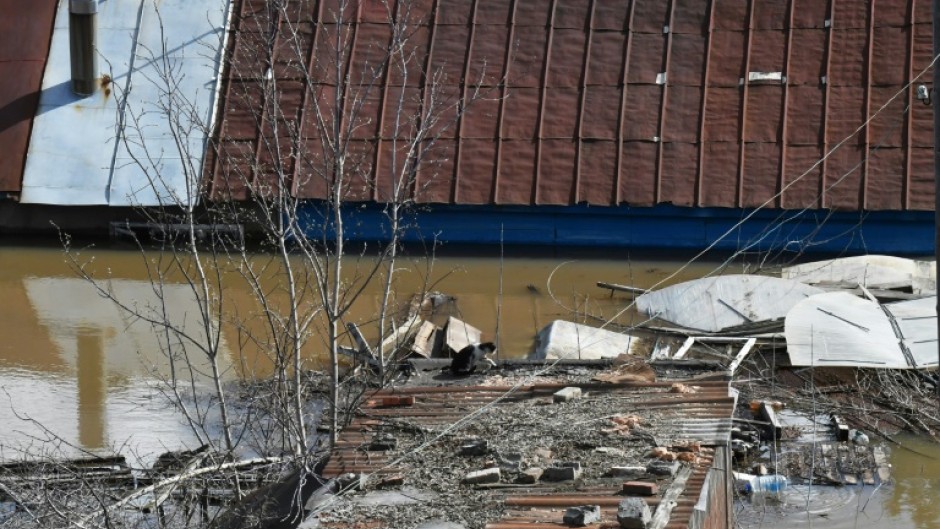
(794, 124)
(541, 463)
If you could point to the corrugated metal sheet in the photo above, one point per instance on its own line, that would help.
(638, 102)
(76, 156)
(704, 416)
(25, 31)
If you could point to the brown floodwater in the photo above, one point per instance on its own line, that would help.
(77, 373)
(75, 367)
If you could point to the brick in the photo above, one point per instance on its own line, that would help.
(395, 480)
(391, 402)
(640, 488)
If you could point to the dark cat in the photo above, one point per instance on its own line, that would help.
(468, 359)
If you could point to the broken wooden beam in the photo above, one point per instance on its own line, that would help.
(622, 288)
(428, 340)
(361, 342)
(768, 413)
(842, 429)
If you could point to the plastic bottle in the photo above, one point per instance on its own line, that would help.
(772, 484)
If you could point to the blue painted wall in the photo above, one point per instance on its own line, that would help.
(660, 227)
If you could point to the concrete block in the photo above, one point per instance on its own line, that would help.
(350, 481)
(626, 471)
(634, 513)
(510, 461)
(663, 468)
(474, 447)
(487, 475)
(562, 472)
(381, 443)
(610, 451)
(567, 394)
(406, 496)
(530, 475)
(583, 515)
(640, 488)
(543, 453)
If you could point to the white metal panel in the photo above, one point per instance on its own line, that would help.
(872, 271)
(76, 156)
(569, 340)
(917, 321)
(715, 303)
(839, 329)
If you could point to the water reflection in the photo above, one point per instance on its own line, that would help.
(74, 365)
(917, 488)
(91, 389)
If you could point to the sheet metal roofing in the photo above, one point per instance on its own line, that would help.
(704, 416)
(690, 102)
(117, 147)
(25, 30)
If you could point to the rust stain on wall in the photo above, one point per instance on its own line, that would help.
(693, 102)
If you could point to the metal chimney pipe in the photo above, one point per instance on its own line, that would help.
(82, 45)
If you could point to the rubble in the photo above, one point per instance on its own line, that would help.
(487, 475)
(640, 488)
(567, 394)
(530, 444)
(633, 513)
(582, 516)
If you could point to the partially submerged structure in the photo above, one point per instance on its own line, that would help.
(717, 303)
(795, 125)
(506, 453)
(841, 330)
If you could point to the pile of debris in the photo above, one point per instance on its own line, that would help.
(546, 446)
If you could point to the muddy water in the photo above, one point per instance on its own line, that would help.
(75, 367)
(76, 370)
(909, 501)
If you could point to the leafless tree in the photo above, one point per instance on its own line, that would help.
(304, 281)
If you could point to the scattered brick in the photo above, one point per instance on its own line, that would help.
(640, 488)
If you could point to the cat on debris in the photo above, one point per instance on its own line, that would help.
(471, 357)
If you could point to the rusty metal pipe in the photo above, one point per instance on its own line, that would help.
(83, 45)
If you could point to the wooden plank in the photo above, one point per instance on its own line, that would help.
(768, 413)
(402, 334)
(622, 288)
(425, 340)
(669, 501)
(360, 340)
(684, 349)
(742, 354)
(460, 334)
